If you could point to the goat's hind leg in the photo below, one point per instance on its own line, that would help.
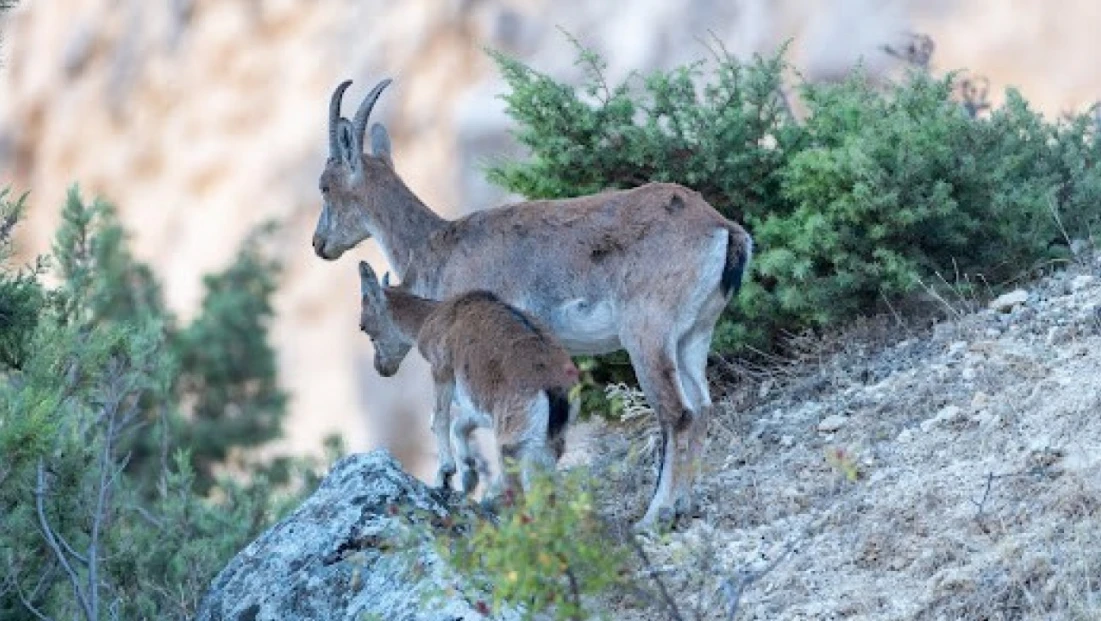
(692, 368)
(441, 428)
(655, 365)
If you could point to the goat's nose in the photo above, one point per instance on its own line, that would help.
(318, 244)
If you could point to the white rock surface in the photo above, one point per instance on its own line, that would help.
(337, 556)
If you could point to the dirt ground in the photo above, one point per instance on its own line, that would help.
(937, 469)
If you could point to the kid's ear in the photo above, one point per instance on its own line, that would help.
(367, 278)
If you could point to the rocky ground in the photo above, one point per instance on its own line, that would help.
(942, 468)
(944, 471)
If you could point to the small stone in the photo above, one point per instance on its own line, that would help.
(1058, 335)
(993, 333)
(986, 418)
(906, 436)
(980, 400)
(1008, 301)
(957, 348)
(787, 441)
(766, 387)
(969, 374)
(1081, 282)
(832, 423)
(947, 414)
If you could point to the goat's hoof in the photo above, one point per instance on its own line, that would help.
(656, 523)
(490, 505)
(688, 507)
(469, 481)
(443, 477)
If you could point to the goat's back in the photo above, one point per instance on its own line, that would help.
(495, 348)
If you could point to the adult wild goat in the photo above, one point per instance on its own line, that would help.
(505, 372)
(648, 270)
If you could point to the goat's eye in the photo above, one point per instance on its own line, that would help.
(325, 189)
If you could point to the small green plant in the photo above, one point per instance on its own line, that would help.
(547, 551)
(844, 462)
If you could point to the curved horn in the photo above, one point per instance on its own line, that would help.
(359, 123)
(334, 116)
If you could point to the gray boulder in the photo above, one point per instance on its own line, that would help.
(361, 547)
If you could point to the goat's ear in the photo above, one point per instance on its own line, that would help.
(346, 144)
(380, 143)
(367, 278)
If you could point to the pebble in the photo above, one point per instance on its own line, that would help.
(947, 414)
(980, 400)
(1081, 282)
(832, 423)
(969, 374)
(1008, 301)
(906, 435)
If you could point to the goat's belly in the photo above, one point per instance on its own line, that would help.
(586, 327)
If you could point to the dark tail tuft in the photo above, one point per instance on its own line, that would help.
(739, 249)
(559, 412)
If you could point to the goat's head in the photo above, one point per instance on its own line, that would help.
(375, 321)
(346, 182)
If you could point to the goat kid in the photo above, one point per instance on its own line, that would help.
(503, 370)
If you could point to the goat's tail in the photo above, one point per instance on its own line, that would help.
(559, 401)
(739, 250)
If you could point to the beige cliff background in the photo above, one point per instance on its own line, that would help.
(200, 118)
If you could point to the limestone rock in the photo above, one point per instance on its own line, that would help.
(1008, 301)
(342, 554)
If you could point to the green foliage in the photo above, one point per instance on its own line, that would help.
(21, 296)
(876, 192)
(547, 551)
(228, 367)
(710, 138)
(105, 408)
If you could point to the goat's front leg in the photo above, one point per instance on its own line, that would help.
(441, 427)
(461, 428)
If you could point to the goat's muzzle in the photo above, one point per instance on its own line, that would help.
(319, 248)
(385, 370)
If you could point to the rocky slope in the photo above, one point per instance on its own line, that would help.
(199, 118)
(903, 472)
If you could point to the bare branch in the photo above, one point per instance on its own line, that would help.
(51, 540)
(670, 605)
(734, 590)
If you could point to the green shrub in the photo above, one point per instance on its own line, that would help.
(107, 406)
(876, 191)
(546, 552)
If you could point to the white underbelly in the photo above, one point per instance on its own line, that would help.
(587, 327)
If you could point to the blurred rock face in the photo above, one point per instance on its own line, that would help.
(201, 118)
